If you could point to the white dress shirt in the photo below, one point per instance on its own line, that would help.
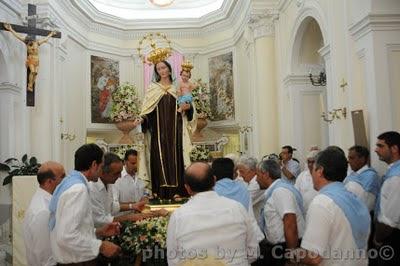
(365, 196)
(104, 203)
(73, 238)
(36, 230)
(390, 202)
(328, 233)
(305, 186)
(293, 167)
(257, 197)
(281, 202)
(209, 225)
(129, 188)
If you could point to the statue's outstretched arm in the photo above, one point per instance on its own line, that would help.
(51, 34)
(10, 29)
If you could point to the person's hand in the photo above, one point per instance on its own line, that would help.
(162, 212)
(110, 229)
(185, 107)
(53, 33)
(109, 249)
(139, 206)
(7, 26)
(138, 121)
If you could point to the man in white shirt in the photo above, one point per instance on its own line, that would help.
(304, 183)
(282, 217)
(105, 205)
(290, 168)
(72, 233)
(130, 188)
(247, 167)
(209, 225)
(36, 221)
(387, 212)
(362, 180)
(338, 223)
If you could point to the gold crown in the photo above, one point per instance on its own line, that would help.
(187, 66)
(157, 54)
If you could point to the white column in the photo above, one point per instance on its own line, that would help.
(263, 86)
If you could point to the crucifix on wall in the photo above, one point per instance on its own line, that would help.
(32, 48)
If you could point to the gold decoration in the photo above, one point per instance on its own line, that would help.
(157, 54)
(187, 66)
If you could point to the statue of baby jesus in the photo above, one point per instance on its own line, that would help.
(185, 90)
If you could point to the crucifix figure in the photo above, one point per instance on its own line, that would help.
(343, 85)
(32, 47)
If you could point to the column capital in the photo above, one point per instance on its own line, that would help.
(262, 24)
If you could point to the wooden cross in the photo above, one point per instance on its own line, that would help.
(31, 32)
(343, 85)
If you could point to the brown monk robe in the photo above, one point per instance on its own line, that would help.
(166, 151)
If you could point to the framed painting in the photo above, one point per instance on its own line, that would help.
(104, 79)
(222, 87)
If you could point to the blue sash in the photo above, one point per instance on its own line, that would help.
(353, 208)
(368, 179)
(73, 178)
(233, 190)
(280, 183)
(394, 170)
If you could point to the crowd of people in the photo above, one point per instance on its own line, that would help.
(338, 211)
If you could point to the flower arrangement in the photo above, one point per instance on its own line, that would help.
(121, 150)
(201, 99)
(142, 235)
(199, 153)
(126, 103)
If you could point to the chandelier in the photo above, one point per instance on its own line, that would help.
(161, 3)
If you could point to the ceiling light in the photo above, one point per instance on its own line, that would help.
(161, 3)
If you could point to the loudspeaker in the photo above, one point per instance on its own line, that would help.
(360, 133)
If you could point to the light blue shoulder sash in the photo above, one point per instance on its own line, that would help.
(353, 208)
(73, 178)
(233, 190)
(394, 170)
(368, 179)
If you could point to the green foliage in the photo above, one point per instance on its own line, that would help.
(14, 167)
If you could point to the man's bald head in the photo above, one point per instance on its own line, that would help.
(50, 170)
(199, 177)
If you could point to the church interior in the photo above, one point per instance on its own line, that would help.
(277, 72)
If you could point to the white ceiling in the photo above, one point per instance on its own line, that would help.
(143, 9)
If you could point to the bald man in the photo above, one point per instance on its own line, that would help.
(209, 225)
(36, 222)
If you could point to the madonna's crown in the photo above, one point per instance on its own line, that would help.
(187, 66)
(157, 54)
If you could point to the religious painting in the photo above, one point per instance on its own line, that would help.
(104, 79)
(221, 87)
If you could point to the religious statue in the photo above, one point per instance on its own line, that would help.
(32, 47)
(166, 129)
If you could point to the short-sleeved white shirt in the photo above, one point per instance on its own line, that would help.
(367, 197)
(305, 186)
(281, 202)
(328, 233)
(390, 201)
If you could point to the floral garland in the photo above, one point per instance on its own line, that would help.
(142, 235)
(201, 99)
(126, 103)
(199, 153)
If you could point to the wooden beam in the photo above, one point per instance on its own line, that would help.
(31, 31)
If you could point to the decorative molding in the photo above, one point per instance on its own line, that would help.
(263, 24)
(7, 87)
(296, 80)
(375, 22)
(325, 51)
(14, 6)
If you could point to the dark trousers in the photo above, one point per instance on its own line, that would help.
(391, 246)
(271, 255)
(85, 263)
